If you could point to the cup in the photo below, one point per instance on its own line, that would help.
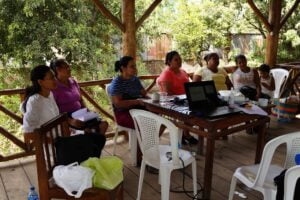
(163, 96)
(263, 102)
(155, 97)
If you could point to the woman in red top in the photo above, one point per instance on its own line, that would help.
(172, 79)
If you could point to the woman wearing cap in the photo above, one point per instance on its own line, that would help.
(213, 72)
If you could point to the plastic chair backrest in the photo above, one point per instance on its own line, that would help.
(292, 141)
(290, 180)
(280, 76)
(147, 126)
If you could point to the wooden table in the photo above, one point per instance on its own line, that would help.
(213, 130)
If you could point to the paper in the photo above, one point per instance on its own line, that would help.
(84, 115)
(254, 110)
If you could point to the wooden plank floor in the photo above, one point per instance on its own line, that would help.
(17, 175)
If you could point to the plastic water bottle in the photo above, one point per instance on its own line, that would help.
(32, 195)
(297, 159)
(231, 97)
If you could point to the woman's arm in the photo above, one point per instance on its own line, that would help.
(228, 83)
(270, 87)
(197, 78)
(121, 103)
(166, 87)
(257, 83)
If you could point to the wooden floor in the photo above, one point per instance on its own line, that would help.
(17, 175)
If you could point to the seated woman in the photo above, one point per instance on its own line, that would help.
(212, 72)
(246, 79)
(125, 90)
(267, 81)
(39, 105)
(67, 94)
(172, 79)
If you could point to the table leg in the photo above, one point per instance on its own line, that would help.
(208, 169)
(200, 145)
(261, 139)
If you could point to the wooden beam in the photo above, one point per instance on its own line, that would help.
(12, 138)
(11, 114)
(147, 13)
(260, 15)
(109, 15)
(129, 36)
(289, 13)
(94, 103)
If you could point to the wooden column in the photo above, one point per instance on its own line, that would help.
(273, 36)
(128, 20)
(273, 26)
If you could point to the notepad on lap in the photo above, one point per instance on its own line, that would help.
(84, 115)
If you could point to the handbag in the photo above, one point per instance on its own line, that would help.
(78, 148)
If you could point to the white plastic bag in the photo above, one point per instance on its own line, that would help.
(73, 178)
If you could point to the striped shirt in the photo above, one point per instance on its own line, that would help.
(127, 88)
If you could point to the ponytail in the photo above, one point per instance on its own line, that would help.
(123, 62)
(37, 73)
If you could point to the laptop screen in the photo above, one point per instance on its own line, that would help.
(201, 94)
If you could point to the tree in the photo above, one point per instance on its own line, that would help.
(33, 31)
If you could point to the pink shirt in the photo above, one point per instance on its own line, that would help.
(176, 81)
(67, 98)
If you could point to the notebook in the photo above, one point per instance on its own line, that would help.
(203, 100)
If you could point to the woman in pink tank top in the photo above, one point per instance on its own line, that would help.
(172, 79)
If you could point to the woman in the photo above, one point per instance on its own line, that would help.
(212, 72)
(246, 79)
(267, 82)
(125, 89)
(39, 105)
(67, 94)
(172, 79)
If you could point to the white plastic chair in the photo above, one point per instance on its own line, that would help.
(147, 126)
(260, 177)
(290, 180)
(131, 134)
(280, 77)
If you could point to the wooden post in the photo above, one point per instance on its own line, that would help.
(128, 20)
(273, 26)
(273, 36)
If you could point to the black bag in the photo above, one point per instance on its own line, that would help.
(279, 182)
(78, 148)
(248, 92)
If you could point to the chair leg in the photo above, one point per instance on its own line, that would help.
(232, 187)
(133, 147)
(165, 183)
(115, 140)
(194, 172)
(269, 195)
(141, 179)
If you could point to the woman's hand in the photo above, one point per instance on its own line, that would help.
(76, 123)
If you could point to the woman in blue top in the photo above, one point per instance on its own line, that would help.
(125, 90)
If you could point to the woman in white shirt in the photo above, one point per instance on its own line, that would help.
(39, 105)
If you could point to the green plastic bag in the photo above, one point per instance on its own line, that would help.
(108, 171)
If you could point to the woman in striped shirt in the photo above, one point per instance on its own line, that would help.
(125, 89)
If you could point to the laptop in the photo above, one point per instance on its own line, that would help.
(203, 100)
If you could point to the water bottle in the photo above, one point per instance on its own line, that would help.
(32, 195)
(231, 97)
(297, 159)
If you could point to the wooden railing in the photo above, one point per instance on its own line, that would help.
(25, 148)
